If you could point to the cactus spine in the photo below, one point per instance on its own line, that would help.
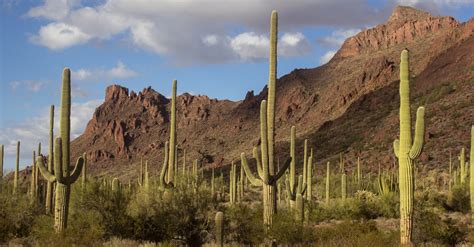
(407, 151)
(328, 173)
(219, 221)
(62, 175)
(471, 172)
(17, 169)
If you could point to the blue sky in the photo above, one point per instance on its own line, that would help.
(212, 47)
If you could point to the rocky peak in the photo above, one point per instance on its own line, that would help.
(405, 14)
(115, 92)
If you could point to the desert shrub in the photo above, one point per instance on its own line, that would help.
(428, 227)
(458, 199)
(243, 224)
(363, 205)
(183, 213)
(16, 215)
(110, 207)
(286, 229)
(354, 233)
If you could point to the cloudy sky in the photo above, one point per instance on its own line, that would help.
(212, 47)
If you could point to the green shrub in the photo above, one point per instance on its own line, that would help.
(16, 215)
(286, 229)
(428, 227)
(459, 200)
(243, 224)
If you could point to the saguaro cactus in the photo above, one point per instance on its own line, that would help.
(49, 185)
(309, 182)
(233, 184)
(116, 185)
(328, 173)
(62, 175)
(295, 187)
(17, 169)
(167, 178)
(1, 162)
(462, 165)
(219, 221)
(471, 172)
(407, 151)
(33, 178)
(343, 186)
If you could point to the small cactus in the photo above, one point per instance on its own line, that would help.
(219, 221)
(344, 186)
(462, 165)
(471, 177)
(328, 173)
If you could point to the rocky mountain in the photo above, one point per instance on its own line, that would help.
(348, 105)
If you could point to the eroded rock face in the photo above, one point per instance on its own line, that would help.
(405, 25)
(334, 105)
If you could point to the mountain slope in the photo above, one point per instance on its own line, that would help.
(349, 104)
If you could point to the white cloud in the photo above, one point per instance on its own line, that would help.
(36, 129)
(338, 37)
(120, 71)
(327, 56)
(249, 46)
(53, 9)
(29, 85)
(167, 28)
(58, 36)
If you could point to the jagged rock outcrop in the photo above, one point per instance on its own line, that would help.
(348, 104)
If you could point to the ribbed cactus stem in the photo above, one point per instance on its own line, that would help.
(462, 165)
(172, 143)
(471, 173)
(309, 182)
(33, 178)
(49, 185)
(272, 89)
(62, 175)
(343, 186)
(84, 175)
(359, 174)
(1, 161)
(116, 185)
(17, 168)
(407, 151)
(219, 222)
(328, 173)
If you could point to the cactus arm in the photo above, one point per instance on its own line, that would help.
(396, 147)
(282, 171)
(76, 172)
(164, 168)
(253, 180)
(44, 171)
(264, 142)
(417, 146)
(259, 163)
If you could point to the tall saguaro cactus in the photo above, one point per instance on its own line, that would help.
(233, 183)
(49, 185)
(295, 187)
(17, 169)
(471, 172)
(219, 222)
(62, 174)
(268, 175)
(407, 151)
(167, 172)
(328, 173)
(462, 165)
(1, 162)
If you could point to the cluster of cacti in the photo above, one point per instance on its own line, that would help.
(296, 189)
(62, 175)
(407, 151)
